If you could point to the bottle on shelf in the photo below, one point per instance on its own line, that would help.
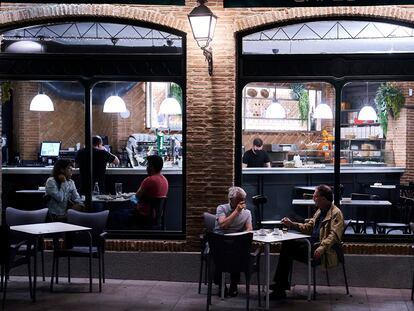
(96, 189)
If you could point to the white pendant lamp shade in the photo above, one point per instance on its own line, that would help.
(41, 102)
(114, 104)
(275, 111)
(323, 111)
(367, 113)
(170, 106)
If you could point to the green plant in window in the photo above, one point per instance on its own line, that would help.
(389, 100)
(5, 91)
(176, 92)
(301, 94)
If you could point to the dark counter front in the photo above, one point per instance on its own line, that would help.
(21, 178)
(279, 185)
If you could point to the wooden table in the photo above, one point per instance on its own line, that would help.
(41, 229)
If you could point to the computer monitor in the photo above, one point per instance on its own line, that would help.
(50, 149)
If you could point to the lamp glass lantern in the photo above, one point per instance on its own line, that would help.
(323, 111)
(41, 102)
(203, 24)
(367, 113)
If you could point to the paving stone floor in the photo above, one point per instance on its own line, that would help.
(128, 295)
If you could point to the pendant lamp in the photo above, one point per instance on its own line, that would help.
(170, 106)
(367, 113)
(114, 104)
(41, 102)
(275, 109)
(323, 111)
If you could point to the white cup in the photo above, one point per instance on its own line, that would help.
(276, 231)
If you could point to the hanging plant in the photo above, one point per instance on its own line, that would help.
(5, 91)
(301, 94)
(389, 100)
(176, 92)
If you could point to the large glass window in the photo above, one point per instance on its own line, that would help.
(298, 139)
(150, 122)
(373, 131)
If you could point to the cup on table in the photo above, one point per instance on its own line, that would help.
(118, 189)
(262, 232)
(285, 229)
(276, 231)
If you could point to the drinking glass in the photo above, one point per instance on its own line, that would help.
(118, 189)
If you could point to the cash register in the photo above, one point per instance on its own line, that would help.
(49, 152)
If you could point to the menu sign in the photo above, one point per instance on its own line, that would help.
(309, 3)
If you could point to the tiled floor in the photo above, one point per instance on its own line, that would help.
(127, 295)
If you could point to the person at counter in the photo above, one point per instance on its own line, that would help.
(100, 157)
(256, 157)
(61, 191)
(153, 186)
(325, 228)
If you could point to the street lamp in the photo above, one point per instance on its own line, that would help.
(203, 23)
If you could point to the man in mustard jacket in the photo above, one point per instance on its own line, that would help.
(325, 228)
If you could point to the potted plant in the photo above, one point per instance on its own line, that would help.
(301, 94)
(389, 100)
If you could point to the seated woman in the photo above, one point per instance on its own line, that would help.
(62, 191)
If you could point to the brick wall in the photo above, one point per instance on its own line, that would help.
(210, 100)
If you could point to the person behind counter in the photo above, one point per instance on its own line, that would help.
(61, 191)
(256, 157)
(100, 157)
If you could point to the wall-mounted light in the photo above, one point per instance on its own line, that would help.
(323, 111)
(41, 102)
(203, 23)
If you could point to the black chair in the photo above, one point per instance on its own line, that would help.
(258, 201)
(209, 224)
(16, 217)
(10, 258)
(360, 225)
(158, 206)
(232, 254)
(406, 208)
(338, 248)
(77, 244)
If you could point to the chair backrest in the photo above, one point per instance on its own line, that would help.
(259, 199)
(364, 196)
(407, 210)
(96, 221)
(16, 216)
(230, 253)
(158, 206)
(209, 222)
(406, 191)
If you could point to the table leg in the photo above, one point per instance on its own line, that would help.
(309, 269)
(267, 262)
(35, 247)
(90, 262)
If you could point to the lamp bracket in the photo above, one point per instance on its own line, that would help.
(208, 54)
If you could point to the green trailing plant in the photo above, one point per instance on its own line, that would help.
(176, 92)
(301, 94)
(389, 100)
(5, 91)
